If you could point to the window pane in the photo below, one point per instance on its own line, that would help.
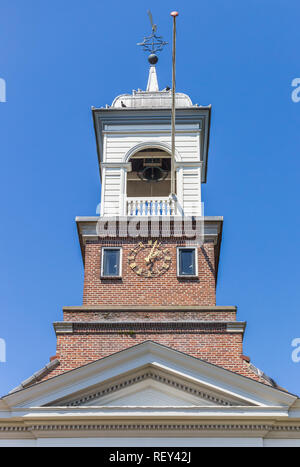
(111, 262)
(187, 266)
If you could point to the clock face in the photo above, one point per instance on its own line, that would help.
(149, 259)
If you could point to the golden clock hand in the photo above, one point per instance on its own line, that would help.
(154, 257)
(151, 252)
(153, 248)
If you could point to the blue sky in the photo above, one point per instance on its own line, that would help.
(60, 58)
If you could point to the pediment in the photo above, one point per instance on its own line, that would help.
(148, 375)
(148, 387)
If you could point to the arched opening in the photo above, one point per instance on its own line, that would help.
(151, 174)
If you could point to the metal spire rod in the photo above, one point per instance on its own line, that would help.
(174, 14)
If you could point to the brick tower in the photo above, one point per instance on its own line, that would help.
(144, 279)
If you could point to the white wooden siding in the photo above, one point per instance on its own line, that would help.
(191, 190)
(119, 140)
(111, 192)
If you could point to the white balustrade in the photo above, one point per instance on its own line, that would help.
(152, 206)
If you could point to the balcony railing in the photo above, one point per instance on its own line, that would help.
(152, 206)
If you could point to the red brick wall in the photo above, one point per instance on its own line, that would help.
(134, 290)
(213, 345)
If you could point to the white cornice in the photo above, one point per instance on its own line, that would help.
(236, 327)
(36, 414)
(268, 429)
(63, 327)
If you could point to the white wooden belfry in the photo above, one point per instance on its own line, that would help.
(141, 121)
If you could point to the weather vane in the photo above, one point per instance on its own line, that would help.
(153, 43)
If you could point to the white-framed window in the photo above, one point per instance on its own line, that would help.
(187, 261)
(111, 262)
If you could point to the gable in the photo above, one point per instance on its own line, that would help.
(179, 380)
(149, 386)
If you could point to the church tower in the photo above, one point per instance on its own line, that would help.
(151, 257)
(149, 359)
